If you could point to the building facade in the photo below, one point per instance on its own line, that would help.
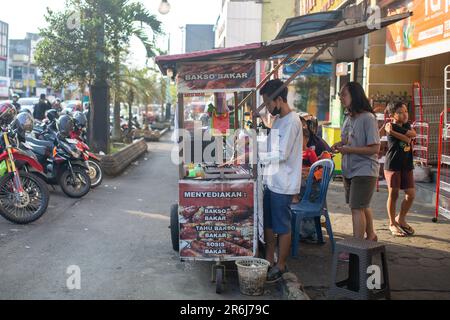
(25, 75)
(3, 49)
(4, 77)
(275, 13)
(414, 51)
(199, 37)
(239, 23)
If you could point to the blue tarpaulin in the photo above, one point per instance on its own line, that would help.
(317, 68)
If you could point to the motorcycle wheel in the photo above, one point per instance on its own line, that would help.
(26, 208)
(95, 173)
(78, 188)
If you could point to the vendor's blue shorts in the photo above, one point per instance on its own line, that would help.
(277, 212)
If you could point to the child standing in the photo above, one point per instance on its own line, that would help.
(399, 168)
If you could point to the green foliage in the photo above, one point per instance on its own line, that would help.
(71, 55)
(312, 88)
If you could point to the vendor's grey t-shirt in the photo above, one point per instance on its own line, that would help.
(360, 131)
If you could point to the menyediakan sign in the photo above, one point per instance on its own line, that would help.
(216, 77)
(425, 34)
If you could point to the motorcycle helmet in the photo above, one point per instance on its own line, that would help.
(65, 125)
(7, 113)
(52, 115)
(80, 120)
(23, 123)
(66, 111)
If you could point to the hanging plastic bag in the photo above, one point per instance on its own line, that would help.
(220, 124)
(422, 173)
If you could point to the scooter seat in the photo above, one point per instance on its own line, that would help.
(39, 150)
(41, 143)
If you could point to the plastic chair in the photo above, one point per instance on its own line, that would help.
(316, 209)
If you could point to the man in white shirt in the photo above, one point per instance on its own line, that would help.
(282, 177)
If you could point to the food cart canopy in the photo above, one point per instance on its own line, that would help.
(280, 46)
(310, 23)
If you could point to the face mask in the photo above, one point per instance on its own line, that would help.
(275, 111)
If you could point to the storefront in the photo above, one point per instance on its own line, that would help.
(388, 62)
(420, 45)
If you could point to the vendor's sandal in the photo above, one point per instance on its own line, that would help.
(275, 274)
(397, 232)
(408, 230)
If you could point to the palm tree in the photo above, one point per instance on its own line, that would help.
(136, 86)
(128, 19)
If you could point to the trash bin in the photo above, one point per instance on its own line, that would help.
(252, 274)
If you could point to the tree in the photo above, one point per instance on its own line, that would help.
(90, 51)
(65, 54)
(128, 19)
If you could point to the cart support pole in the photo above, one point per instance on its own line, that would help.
(180, 127)
(254, 121)
(236, 111)
(295, 75)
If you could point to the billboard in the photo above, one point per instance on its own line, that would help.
(215, 77)
(425, 34)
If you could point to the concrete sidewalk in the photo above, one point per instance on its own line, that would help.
(418, 266)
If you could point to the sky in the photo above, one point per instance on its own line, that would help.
(28, 15)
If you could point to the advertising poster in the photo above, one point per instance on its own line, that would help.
(216, 77)
(216, 219)
(424, 34)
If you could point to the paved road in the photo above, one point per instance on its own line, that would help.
(118, 235)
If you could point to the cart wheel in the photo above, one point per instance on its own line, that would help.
(174, 227)
(219, 280)
(434, 220)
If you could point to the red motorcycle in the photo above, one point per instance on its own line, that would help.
(95, 170)
(24, 196)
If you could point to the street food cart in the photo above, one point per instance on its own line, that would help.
(218, 215)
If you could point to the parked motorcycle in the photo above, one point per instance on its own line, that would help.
(48, 132)
(63, 163)
(78, 134)
(24, 196)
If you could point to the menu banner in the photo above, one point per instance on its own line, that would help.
(216, 219)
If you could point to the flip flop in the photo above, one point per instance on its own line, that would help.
(408, 230)
(398, 233)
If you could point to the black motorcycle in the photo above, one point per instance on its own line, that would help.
(63, 162)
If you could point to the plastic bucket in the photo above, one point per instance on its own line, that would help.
(252, 274)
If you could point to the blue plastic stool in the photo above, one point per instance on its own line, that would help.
(316, 209)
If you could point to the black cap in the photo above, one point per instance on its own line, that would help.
(42, 95)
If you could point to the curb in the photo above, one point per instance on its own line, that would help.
(115, 164)
(292, 288)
